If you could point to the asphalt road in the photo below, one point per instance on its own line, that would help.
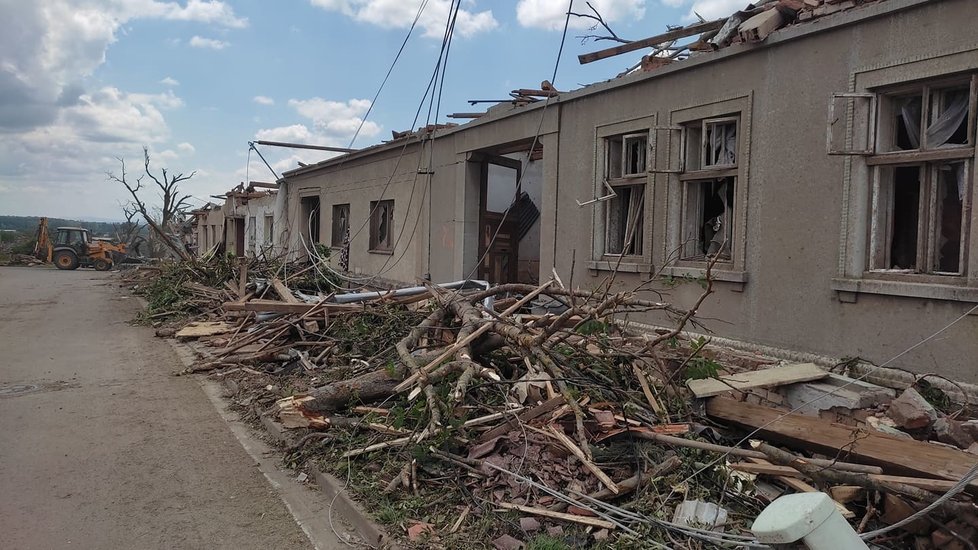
(100, 447)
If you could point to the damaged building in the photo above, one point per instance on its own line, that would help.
(829, 171)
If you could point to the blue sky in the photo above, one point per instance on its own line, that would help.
(83, 82)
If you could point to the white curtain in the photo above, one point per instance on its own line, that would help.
(723, 144)
(950, 119)
(943, 127)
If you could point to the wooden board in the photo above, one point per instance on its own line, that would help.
(274, 306)
(787, 472)
(796, 484)
(765, 378)
(899, 456)
(204, 328)
(283, 291)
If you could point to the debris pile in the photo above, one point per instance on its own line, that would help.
(24, 260)
(512, 415)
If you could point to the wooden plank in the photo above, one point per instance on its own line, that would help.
(765, 378)
(526, 416)
(557, 515)
(283, 291)
(902, 456)
(274, 306)
(651, 41)
(800, 486)
(204, 328)
(766, 468)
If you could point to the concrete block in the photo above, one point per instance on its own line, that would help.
(835, 391)
(970, 427)
(697, 513)
(950, 432)
(911, 411)
(757, 28)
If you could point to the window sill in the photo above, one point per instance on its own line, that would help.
(739, 278)
(849, 288)
(625, 266)
(383, 252)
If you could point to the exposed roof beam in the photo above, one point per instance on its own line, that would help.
(651, 41)
(305, 146)
(263, 184)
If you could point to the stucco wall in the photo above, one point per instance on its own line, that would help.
(803, 211)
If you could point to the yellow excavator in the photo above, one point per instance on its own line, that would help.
(73, 247)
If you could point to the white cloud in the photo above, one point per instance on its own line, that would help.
(263, 100)
(399, 14)
(336, 118)
(708, 9)
(332, 123)
(170, 81)
(59, 135)
(550, 14)
(211, 43)
(186, 148)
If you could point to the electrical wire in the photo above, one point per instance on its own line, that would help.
(533, 144)
(373, 102)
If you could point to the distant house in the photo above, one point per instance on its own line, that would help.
(244, 225)
(831, 167)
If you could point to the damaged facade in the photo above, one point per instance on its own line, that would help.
(850, 253)
(244, 225)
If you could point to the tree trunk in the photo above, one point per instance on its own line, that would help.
(365, 388)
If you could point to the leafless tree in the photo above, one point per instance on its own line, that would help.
(599, 21)
(174, 204)
(127, 231)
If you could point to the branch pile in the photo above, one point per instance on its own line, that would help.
(468, 414)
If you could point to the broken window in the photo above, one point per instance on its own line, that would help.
(269, 230)
(909, 126)
(382, 226)
(341, 224)
(920, 222)
(709, 188)
(708, 218)
(626, 174)
(922, 179)
(719, 142)
(625, 224)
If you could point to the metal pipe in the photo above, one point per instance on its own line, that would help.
(306, 146)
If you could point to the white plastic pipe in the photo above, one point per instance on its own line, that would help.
(809, 518)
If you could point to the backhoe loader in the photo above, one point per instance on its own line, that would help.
(73, 247)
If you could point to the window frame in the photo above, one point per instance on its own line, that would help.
(854, 276)
(929, 159)
(684, 124)
(377, 214)
(626, 180)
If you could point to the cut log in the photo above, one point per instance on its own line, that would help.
(902, 456)
(766, 378)
(292, 414)
(366, 388)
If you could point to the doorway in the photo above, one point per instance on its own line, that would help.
(509, 228)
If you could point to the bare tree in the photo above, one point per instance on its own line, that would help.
(127, 231)
(599, 21)
(173, 203)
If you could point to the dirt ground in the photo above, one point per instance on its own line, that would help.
(100, 447)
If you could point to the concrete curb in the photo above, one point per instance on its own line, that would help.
(334, 490)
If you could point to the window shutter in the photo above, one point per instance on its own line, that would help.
(851, 127)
